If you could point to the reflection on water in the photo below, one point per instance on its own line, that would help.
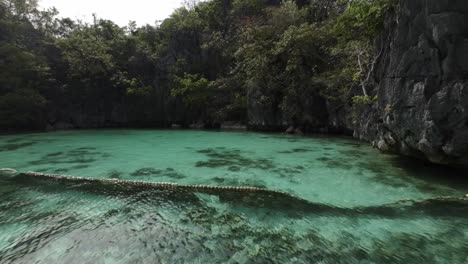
(351, 214)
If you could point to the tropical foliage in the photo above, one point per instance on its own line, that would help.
(203, 63)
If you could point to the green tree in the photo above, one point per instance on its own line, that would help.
(24, 72)
(194, 90)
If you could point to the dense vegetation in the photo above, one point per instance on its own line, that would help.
(207, 63)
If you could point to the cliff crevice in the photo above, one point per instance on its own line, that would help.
(422, 84)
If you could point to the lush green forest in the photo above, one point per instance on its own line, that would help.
(206, 63)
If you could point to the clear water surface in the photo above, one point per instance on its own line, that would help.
(354, 213)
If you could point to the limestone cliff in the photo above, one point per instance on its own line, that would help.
(422, 83)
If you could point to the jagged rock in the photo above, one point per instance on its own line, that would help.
(233, 126)
(298, 131)
(316, 114)
(63, 125)
(422, 83)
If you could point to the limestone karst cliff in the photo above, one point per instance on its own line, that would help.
(422, 83)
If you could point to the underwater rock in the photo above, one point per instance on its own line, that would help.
(234, 168)
(232, 159)
(295, 150)
(114, 174)
(173, 174)
(54, 154)
(16, 146)
(146, 172)
(61, 170)
(81, 156)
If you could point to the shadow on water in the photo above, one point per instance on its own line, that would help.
(16, 146)
(227, 234)
(153, 172)
(74, 159)
(398, 171)
(426, 177)
(296, 150)
(436, 207)
(452, 177)
(141, 231)
(22, 142)
(235, 160)
(115, 174)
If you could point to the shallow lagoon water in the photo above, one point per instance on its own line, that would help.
(353, 214)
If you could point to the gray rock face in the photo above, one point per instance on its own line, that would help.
(422, 82)
(313, 114)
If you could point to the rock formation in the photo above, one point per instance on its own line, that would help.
(422, 83)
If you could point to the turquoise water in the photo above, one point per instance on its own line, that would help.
(352, 215)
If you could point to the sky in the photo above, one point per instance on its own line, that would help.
(119, 11)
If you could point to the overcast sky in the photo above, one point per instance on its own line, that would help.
(119, 11)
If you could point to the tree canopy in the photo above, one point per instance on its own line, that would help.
(203, 63)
